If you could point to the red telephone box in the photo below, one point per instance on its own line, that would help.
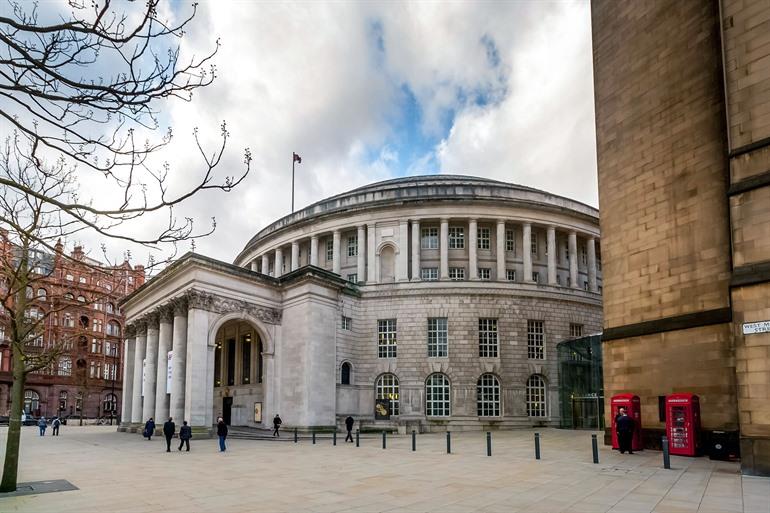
(633, 407)
(683, 424)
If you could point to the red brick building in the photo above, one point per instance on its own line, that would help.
(77, 299)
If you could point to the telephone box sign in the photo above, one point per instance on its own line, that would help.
(750, 328)
(683, 424)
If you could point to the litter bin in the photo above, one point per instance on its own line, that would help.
(723, 445)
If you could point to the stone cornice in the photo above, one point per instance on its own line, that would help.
(222, 305)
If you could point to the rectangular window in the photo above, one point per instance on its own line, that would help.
(429, 273)
(347, 323)
(353, 245)
(484, 273)
(566, 251)
(96, 346)
(536, 276)
(483, 239)
(510, 275)
(437, 337)
(386, 338)
(488, 338)
(329, 250)
(69, 277)
(98, 325)
(585, 285)
(510, 241)
(94, 370)
(456, 237)
(575, 330)
(110, 371)
(231, 362)
(429, 239)
(558, 280)
(457, 273)
(533, 243)
(583, 254)
(353, 278)
(535, 340)
(246, 359)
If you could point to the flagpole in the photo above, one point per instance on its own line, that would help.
(293, 160)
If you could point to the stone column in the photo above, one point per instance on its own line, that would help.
(265, 264)
(139, 353)
(473, 260)
(278, 271)
(198, 375)
(176, 400)
(371, 244)
(415, 250)
(361, 258)
(573, 267)
(591, 248)
(314, 250)
(500, 247)
(151, 367)
(164, 346)
(255, 265)
(526, 249)
(294, 255)
(129, 348)
(552, 251)
(444, 250)
(402, 259)
(336, 252)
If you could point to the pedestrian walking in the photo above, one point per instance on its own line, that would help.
(277, 425)
(349, 426)
(42, 425)
(55, 425)
(185, 433)
(169, 428)
(149, 429)
(624, 425)
(222, 434)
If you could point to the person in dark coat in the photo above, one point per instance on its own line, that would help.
(42, 425)
(349, 426)
(55, 425)
(624, 425)
(277, 425)
(222, 434)
(149, 429)
(185, 433)
(169, 428)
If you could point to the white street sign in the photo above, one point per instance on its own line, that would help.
(750, 328)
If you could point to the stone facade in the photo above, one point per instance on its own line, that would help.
(683, 135)
(327, 310)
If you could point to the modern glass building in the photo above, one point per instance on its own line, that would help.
(581, 392)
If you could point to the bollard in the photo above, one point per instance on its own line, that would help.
(313, 437)
(414, 441)
(489, 443)
(448, 442)
(595, 448)
(383, 440)
(295, 435)
(537, 446)
(666, 457)
(357, 432)
(334, 438)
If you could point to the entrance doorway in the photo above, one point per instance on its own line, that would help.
(227, 407)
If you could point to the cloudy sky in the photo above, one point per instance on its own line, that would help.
(366, 91)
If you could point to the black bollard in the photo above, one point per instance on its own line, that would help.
(537, 446)
(313, 437)
(448, 442)
(414, 441)
(383, 440)
(357, 432)
(489, 443)
(595, 448)
(295, 435)
(666, 456)
(334, 437)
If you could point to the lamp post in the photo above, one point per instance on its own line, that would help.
(113, 371)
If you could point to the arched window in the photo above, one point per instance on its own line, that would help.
(31, 401)
(387, 388)
(437, 396)
(110, 308)
(488, 396)
(536, 406)
(110, 403)
(113, 328)
(68, 320)
(345, 374)
(387, 264)
(30, 293)
(42, 294)
(82, 299)
(69, 295)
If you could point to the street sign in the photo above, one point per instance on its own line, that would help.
(750, 328)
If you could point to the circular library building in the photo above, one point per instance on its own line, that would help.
(430, 303)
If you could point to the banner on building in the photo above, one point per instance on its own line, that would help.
(382, 409)
(144, 374)
(169, 358)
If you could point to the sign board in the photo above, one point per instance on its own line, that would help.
(750, 328)
(144, 374)
(382, 409)
(169, 359)
(257, 413)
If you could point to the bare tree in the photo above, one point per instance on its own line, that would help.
(81, 96)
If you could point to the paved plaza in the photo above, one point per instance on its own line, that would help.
(120, 472)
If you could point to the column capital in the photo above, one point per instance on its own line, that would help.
(166, 313)
(314, 237)
(152, 318)
(472, 220)
(180, 305)
(140, 327)
(199, 300)
(444, 220)
(130, 330)
(501, 221)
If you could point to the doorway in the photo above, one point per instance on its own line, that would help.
(227, 406)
